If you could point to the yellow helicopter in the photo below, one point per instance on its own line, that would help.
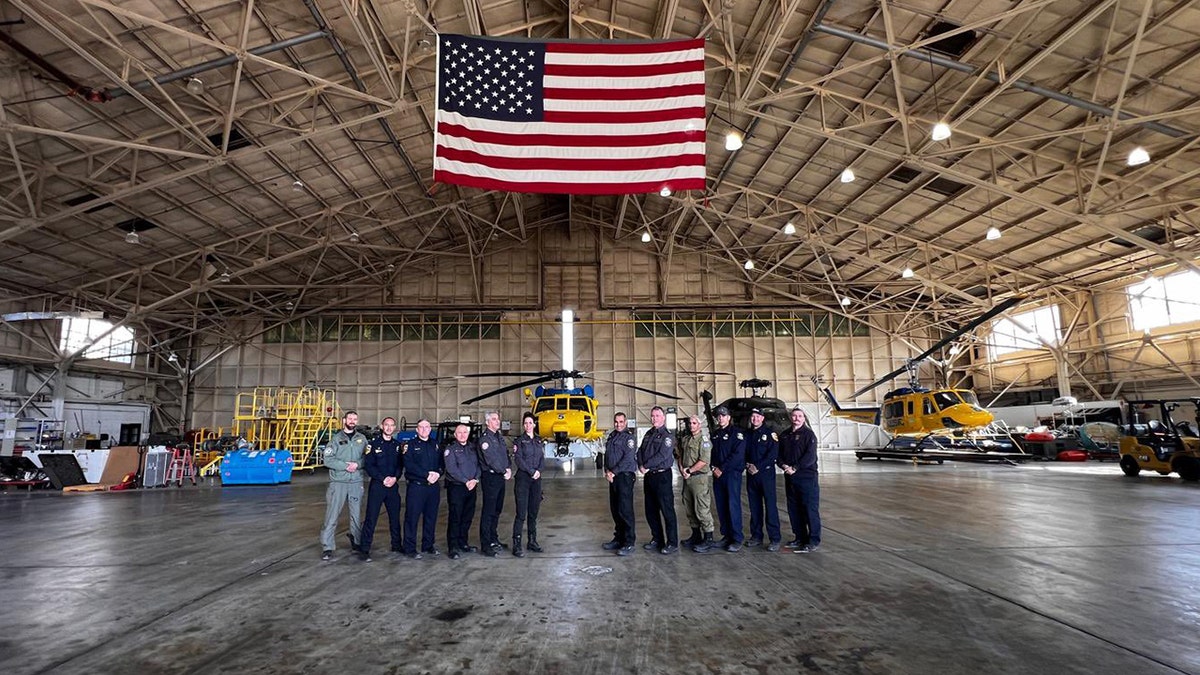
(915, 411)
(565, 415)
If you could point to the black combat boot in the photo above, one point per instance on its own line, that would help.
(534, 547)
(694, 539)
(517, 550)
(705, 545)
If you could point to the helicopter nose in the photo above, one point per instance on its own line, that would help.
(974, 417)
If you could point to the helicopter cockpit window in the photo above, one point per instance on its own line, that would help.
(969, 397)
(927, 406)
(578, 403)
(945, 399)
(544, 404)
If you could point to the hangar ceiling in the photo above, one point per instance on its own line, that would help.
(275, 157)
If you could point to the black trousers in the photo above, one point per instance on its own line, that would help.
(423, 500)
(620, 503)
(660, 508)
(527, 492)
(377, 496)
(460, 503)
(804, 507)
(761, 495)
(492, 485)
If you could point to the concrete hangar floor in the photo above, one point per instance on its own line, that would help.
(958, 568)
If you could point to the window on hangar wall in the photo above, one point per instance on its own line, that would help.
(1025, 331)
(116, 346)
(1164, 301)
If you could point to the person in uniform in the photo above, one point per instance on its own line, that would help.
(655, 457)
(620, 465)
(528, 455)
(762, 451)
(462, 477)
(343, 456)
(422, 470)
(494, 464)
(798, 461)
(694, 453)
(384, 463)
(728, 463)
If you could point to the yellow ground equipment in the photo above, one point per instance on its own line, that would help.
(1160, 445)
(296, 420)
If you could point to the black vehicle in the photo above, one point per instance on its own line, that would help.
(777, 416)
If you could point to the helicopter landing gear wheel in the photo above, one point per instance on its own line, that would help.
(1130, 466)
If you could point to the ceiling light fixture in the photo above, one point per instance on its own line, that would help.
(133, 237)
(354, 238)
(225, 277)
(733, 140)
(665, 191)
(195, 86)
(847, 175)
(907, 273)
(391, 267)
(749, 265)
(1138, 156)
(941, 131)
(789, 228)
(844, 302)
(646, 237)
(297, 185)
(171, 358)
(993, 233)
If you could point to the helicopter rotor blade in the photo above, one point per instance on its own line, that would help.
(503, 390)
(966, 328)
(643, 389)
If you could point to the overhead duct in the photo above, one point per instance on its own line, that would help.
(1023, 85)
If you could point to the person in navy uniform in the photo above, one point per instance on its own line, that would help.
(495, 470)
(422, 470)
(384, 463)
(528, 455)
(762, 451)
(798, 461)
(620, 465)
(728, 462)
(656, 456)
(462, 477)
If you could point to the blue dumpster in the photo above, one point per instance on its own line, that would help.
(256, 467)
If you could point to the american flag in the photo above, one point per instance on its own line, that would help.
(570, 117)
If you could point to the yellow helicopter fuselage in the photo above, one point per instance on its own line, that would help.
(565, 417)
(917, 412)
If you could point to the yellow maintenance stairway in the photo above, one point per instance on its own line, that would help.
(296, 420)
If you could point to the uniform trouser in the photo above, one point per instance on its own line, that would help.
(337, 494)
(804, 498)
(460, 502)
(697, 502)
(492, 485)
(761, 493)
(423, 500)
(377, 496)
(660, 508)
(620, 503)
(727, 492)
(527, 492)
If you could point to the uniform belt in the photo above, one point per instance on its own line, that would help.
(495, 472)
(657, 470)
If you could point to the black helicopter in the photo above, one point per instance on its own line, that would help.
(775, 412)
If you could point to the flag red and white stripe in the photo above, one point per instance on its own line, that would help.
(570, 117)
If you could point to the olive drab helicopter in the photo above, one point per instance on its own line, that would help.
(776, 415)
(916, 411)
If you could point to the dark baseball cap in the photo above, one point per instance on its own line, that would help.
(721, 410)
(755, 411)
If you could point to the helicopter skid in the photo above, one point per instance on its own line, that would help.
(573, 450)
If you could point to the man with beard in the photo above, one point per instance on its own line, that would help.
(620, 465)
(343, 456)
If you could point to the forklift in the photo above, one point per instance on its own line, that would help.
(1160, 445)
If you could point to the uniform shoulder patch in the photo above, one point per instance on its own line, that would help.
(740, 436)
(485, 445)
(447, 452)
(774, 436)
(328, 450)
(631, 442)
(706, 444)
(668, 441)
(404, 449)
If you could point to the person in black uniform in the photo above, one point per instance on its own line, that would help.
(762, 451)
(384, 463)
(620, 464)
(462, 476)
(528, 455)
(656, 456)
(728, 462)
(422, 470)
(798, 460)
(494, 471)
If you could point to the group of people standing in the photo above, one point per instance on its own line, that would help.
(711, 467)
(486, 466)
(712, 470)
